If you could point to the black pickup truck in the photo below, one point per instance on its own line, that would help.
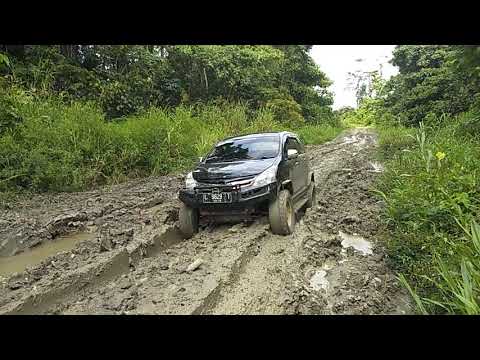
(248, 176)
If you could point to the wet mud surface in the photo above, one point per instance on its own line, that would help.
(121, 252)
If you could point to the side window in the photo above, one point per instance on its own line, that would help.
(300, 147)
(293, 143)
(288, 145)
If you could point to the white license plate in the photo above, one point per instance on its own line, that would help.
(217, 198)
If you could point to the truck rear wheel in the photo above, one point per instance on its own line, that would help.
(282, 214)
(312, 195)
(188, 221)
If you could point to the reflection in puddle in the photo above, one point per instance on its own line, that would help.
(35, 255)
(318, 281)
(357, 242)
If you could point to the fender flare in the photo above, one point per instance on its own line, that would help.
(287, 184)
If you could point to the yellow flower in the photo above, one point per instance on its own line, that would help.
(440, 155)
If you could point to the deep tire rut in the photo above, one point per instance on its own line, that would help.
(210, 303)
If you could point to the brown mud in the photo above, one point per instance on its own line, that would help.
(131, 259)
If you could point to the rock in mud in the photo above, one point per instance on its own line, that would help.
(163, 264)
(105, 244)
(15, 285)
(125, 284)
(351, 219)
(194, 266)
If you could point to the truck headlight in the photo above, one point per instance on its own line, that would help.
(190, 182)
(267, 177)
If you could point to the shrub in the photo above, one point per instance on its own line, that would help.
(315, 134)
(59, 147)
(394, 141)
(432, 196)
(286, 110)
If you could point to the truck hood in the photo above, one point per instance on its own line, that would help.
(231, 170)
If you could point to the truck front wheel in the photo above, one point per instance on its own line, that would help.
(282, 214)
(188, 221)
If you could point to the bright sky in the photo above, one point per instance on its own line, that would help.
(337, 60)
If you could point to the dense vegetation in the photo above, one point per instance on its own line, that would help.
(428, 117)
(126, 79)
(76, 116)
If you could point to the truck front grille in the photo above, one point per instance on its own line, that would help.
(222, 182)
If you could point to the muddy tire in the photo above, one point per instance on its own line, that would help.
(312, 195)
(282, 214)
(188, 221)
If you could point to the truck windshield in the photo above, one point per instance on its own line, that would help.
(265, 147)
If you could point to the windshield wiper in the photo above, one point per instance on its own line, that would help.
(233, 159)
(236, 158)
(229, 159)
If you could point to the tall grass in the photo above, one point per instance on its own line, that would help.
(394, 141)
(314, 134)
(59, 147)
(432, 195)
(458, 284)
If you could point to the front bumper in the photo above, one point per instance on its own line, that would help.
(241, 198)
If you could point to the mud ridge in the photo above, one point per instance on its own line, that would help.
(48, 294)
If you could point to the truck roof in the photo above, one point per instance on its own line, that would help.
(256, 135)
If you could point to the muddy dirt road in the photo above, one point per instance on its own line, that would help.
(117, 250)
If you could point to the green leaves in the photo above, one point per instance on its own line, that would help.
(418, 301)
(126, 79)
(431, 184)
(4, 61)
(431, 83)
(432, 213)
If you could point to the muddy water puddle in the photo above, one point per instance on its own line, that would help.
(319, 281)
(356, 242)
(34, 256)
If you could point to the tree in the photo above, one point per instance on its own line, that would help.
(124, 79)
(232, 72)
(306, 83)
(431, 81)
(366, 84)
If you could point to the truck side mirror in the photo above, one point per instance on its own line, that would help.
(292, 154)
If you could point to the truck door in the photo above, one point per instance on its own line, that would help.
(294, 165)
(303, 162)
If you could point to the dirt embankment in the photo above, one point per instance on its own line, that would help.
(132, 260)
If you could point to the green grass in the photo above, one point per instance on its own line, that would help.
(314, 134)
(53, 146)
(394, 140)
(432, 194)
